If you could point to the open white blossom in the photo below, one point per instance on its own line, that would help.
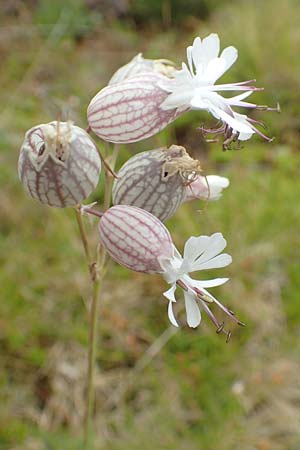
(208, 188)
(194, 86)
(200, 253)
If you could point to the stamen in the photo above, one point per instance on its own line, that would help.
(218, 130)
(262, 134)
(202, 296)
(227, 312)
(267, 108)
(228, 336)
(181, 284)
(220, 328)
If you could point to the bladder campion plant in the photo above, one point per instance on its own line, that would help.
(60, 166)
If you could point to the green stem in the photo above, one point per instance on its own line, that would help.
(91, 363)
(95, 280)
(109, 176)
(97, 270)
(84, 239)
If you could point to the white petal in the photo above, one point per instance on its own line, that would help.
(217, 243)
(214, 263)
(211, 46)
(215, 181)
(216, 185)
(236, 124)
(180, 98)
(197, 52)
(171, 315)
(215, 68)
(230, 55)
(189, 52)
(238, 97)
(196, 190)
(209, 283)
(212, 102)
(206, 188)
(193, 314)
(170, 293)
(194, 247)
(246, 136)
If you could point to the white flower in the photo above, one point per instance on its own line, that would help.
(206, 188)
(194, 86)
(200, 253)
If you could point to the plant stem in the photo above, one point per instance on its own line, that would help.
(83, 238)
(109, 176)
(95, 280)
(91, 362)
(97, 268)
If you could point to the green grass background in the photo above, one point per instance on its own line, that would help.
(194, 391)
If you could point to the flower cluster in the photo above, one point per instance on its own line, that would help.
(60, 166)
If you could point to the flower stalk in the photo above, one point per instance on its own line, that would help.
(97, 269)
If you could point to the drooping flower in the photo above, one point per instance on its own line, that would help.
(156, 180)
(208, 188)
(138, 240)
(139, 65)
(59, 164)
(194, 87)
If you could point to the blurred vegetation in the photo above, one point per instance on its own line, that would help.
(196, 392)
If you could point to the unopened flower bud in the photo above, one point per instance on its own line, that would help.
(135, 238)
(59, 164)
(206, 188)
(139, 64)
(130, 111)
(156, 180)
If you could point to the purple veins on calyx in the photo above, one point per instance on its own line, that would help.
(59, 164)
(138, 240)
(130, 111)
(156, 180)
(135, 238)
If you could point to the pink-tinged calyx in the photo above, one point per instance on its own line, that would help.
(135, 238)
(156, 180)
(139, 65)
(209, 188)
(130, 111)
(59, 164)
(194, 87)
(139, 241)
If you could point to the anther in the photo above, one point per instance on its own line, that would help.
(205, 298)
(228, 337)
(220, 328)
